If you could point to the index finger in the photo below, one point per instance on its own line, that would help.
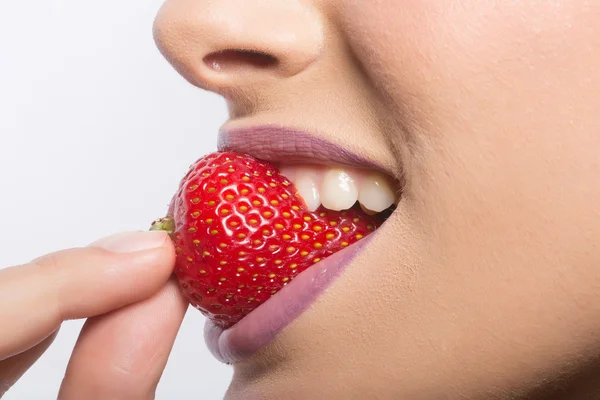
(79, 283)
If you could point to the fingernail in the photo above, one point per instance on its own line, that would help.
(129, 242)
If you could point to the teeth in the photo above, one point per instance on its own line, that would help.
(307, 183)
(376, 192)
(338, 190)
(289, 172)
(366, 210)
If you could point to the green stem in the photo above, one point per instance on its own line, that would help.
(166, 224)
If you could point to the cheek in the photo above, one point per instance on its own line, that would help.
(500, 103)
(434, 59)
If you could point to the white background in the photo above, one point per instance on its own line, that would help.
(96, 130)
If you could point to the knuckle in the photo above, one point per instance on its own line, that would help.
(49, 269)
(47, 263)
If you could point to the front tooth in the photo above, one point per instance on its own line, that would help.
(366, 210)
(376, 192)
(288, 172)
(307, 184)
(338, 190)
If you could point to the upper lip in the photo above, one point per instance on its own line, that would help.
(278, 144)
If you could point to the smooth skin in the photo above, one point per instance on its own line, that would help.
(121, 285)
(484, 284)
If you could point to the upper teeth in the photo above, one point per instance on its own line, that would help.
(340, 188)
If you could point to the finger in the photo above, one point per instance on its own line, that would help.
(122, 355)
(120, 270)
(13, 368)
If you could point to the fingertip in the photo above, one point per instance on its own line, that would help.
(133, 241)
(150, 250)
(173, 289)
(113, 278)
(159, 261)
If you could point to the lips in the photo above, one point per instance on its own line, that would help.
(285, 147)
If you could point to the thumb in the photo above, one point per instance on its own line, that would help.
(79, 283)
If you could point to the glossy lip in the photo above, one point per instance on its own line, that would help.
(256, 330)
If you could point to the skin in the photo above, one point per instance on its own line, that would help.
(130, 328)
(485, 282)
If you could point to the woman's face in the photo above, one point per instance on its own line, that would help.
(485, 282)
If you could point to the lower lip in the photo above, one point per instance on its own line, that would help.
(260, 327)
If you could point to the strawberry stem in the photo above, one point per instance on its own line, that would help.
(166, 224)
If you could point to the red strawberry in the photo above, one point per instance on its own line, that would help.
(242, 233)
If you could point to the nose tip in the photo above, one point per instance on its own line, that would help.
(234, 45)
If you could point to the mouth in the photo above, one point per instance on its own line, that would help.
(325, 175)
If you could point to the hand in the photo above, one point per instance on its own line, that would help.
(122, 285)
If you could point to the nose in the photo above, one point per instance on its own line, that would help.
(234, 46)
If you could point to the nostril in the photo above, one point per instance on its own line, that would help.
(235, 59)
